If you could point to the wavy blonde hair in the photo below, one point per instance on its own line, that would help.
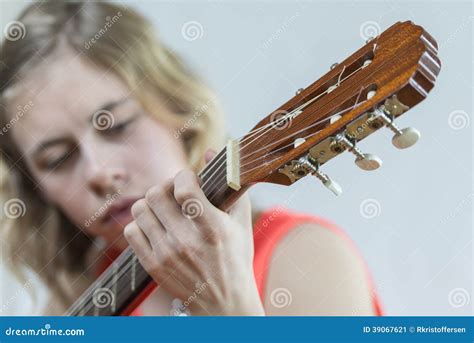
(42, 238)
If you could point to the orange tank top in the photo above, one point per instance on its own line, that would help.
(269, 228)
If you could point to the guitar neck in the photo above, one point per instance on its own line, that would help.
(125, 284)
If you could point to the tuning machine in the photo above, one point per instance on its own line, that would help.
(363, 160)
(305, 165)
(403, 138)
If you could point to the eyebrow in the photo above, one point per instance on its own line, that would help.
(109, 106)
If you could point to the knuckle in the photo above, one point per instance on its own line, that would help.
(183, 192)
(213, 236)
(138, 207)
(129, 231)
(154, 195)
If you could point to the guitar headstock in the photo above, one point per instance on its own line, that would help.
(389, 75)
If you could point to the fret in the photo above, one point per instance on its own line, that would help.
(114, 287)
(134, 271)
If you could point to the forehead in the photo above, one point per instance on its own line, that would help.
(63, 92)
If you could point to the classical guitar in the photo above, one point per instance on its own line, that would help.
(367, 91)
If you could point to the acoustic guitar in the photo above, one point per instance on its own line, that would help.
(366, 92)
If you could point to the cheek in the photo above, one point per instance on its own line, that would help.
(158, 155)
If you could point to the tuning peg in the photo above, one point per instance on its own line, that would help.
(363, 161)
(403, 138)
(330, 184)
(299, 91)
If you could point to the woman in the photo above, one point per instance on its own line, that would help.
(103, 131)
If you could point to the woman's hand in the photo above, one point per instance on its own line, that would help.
(200, 254)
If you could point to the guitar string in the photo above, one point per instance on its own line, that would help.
(249, 135)
(279, 149)
(272, 124)
(127, 266)
(285, 138)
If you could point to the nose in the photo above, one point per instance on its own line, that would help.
(103, 177)
(105, 182)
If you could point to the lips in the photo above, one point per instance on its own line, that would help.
(119, 213)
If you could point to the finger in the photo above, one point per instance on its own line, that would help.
(191, 198)
(162, 203)
(137, 240)
(148, 222)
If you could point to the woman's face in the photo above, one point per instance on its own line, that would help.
(89, 145)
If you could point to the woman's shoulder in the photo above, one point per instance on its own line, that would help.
(313, 261)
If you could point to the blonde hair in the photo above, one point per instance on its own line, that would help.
(41, 237)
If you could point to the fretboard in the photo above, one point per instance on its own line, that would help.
(125, 279)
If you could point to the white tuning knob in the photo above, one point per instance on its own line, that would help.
(333, 186)
(368, 162)
(404, 138)
(313, 167)
(363, 161)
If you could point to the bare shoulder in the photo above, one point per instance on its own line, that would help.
(316, 271)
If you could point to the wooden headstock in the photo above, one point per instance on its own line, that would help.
(368, 90)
